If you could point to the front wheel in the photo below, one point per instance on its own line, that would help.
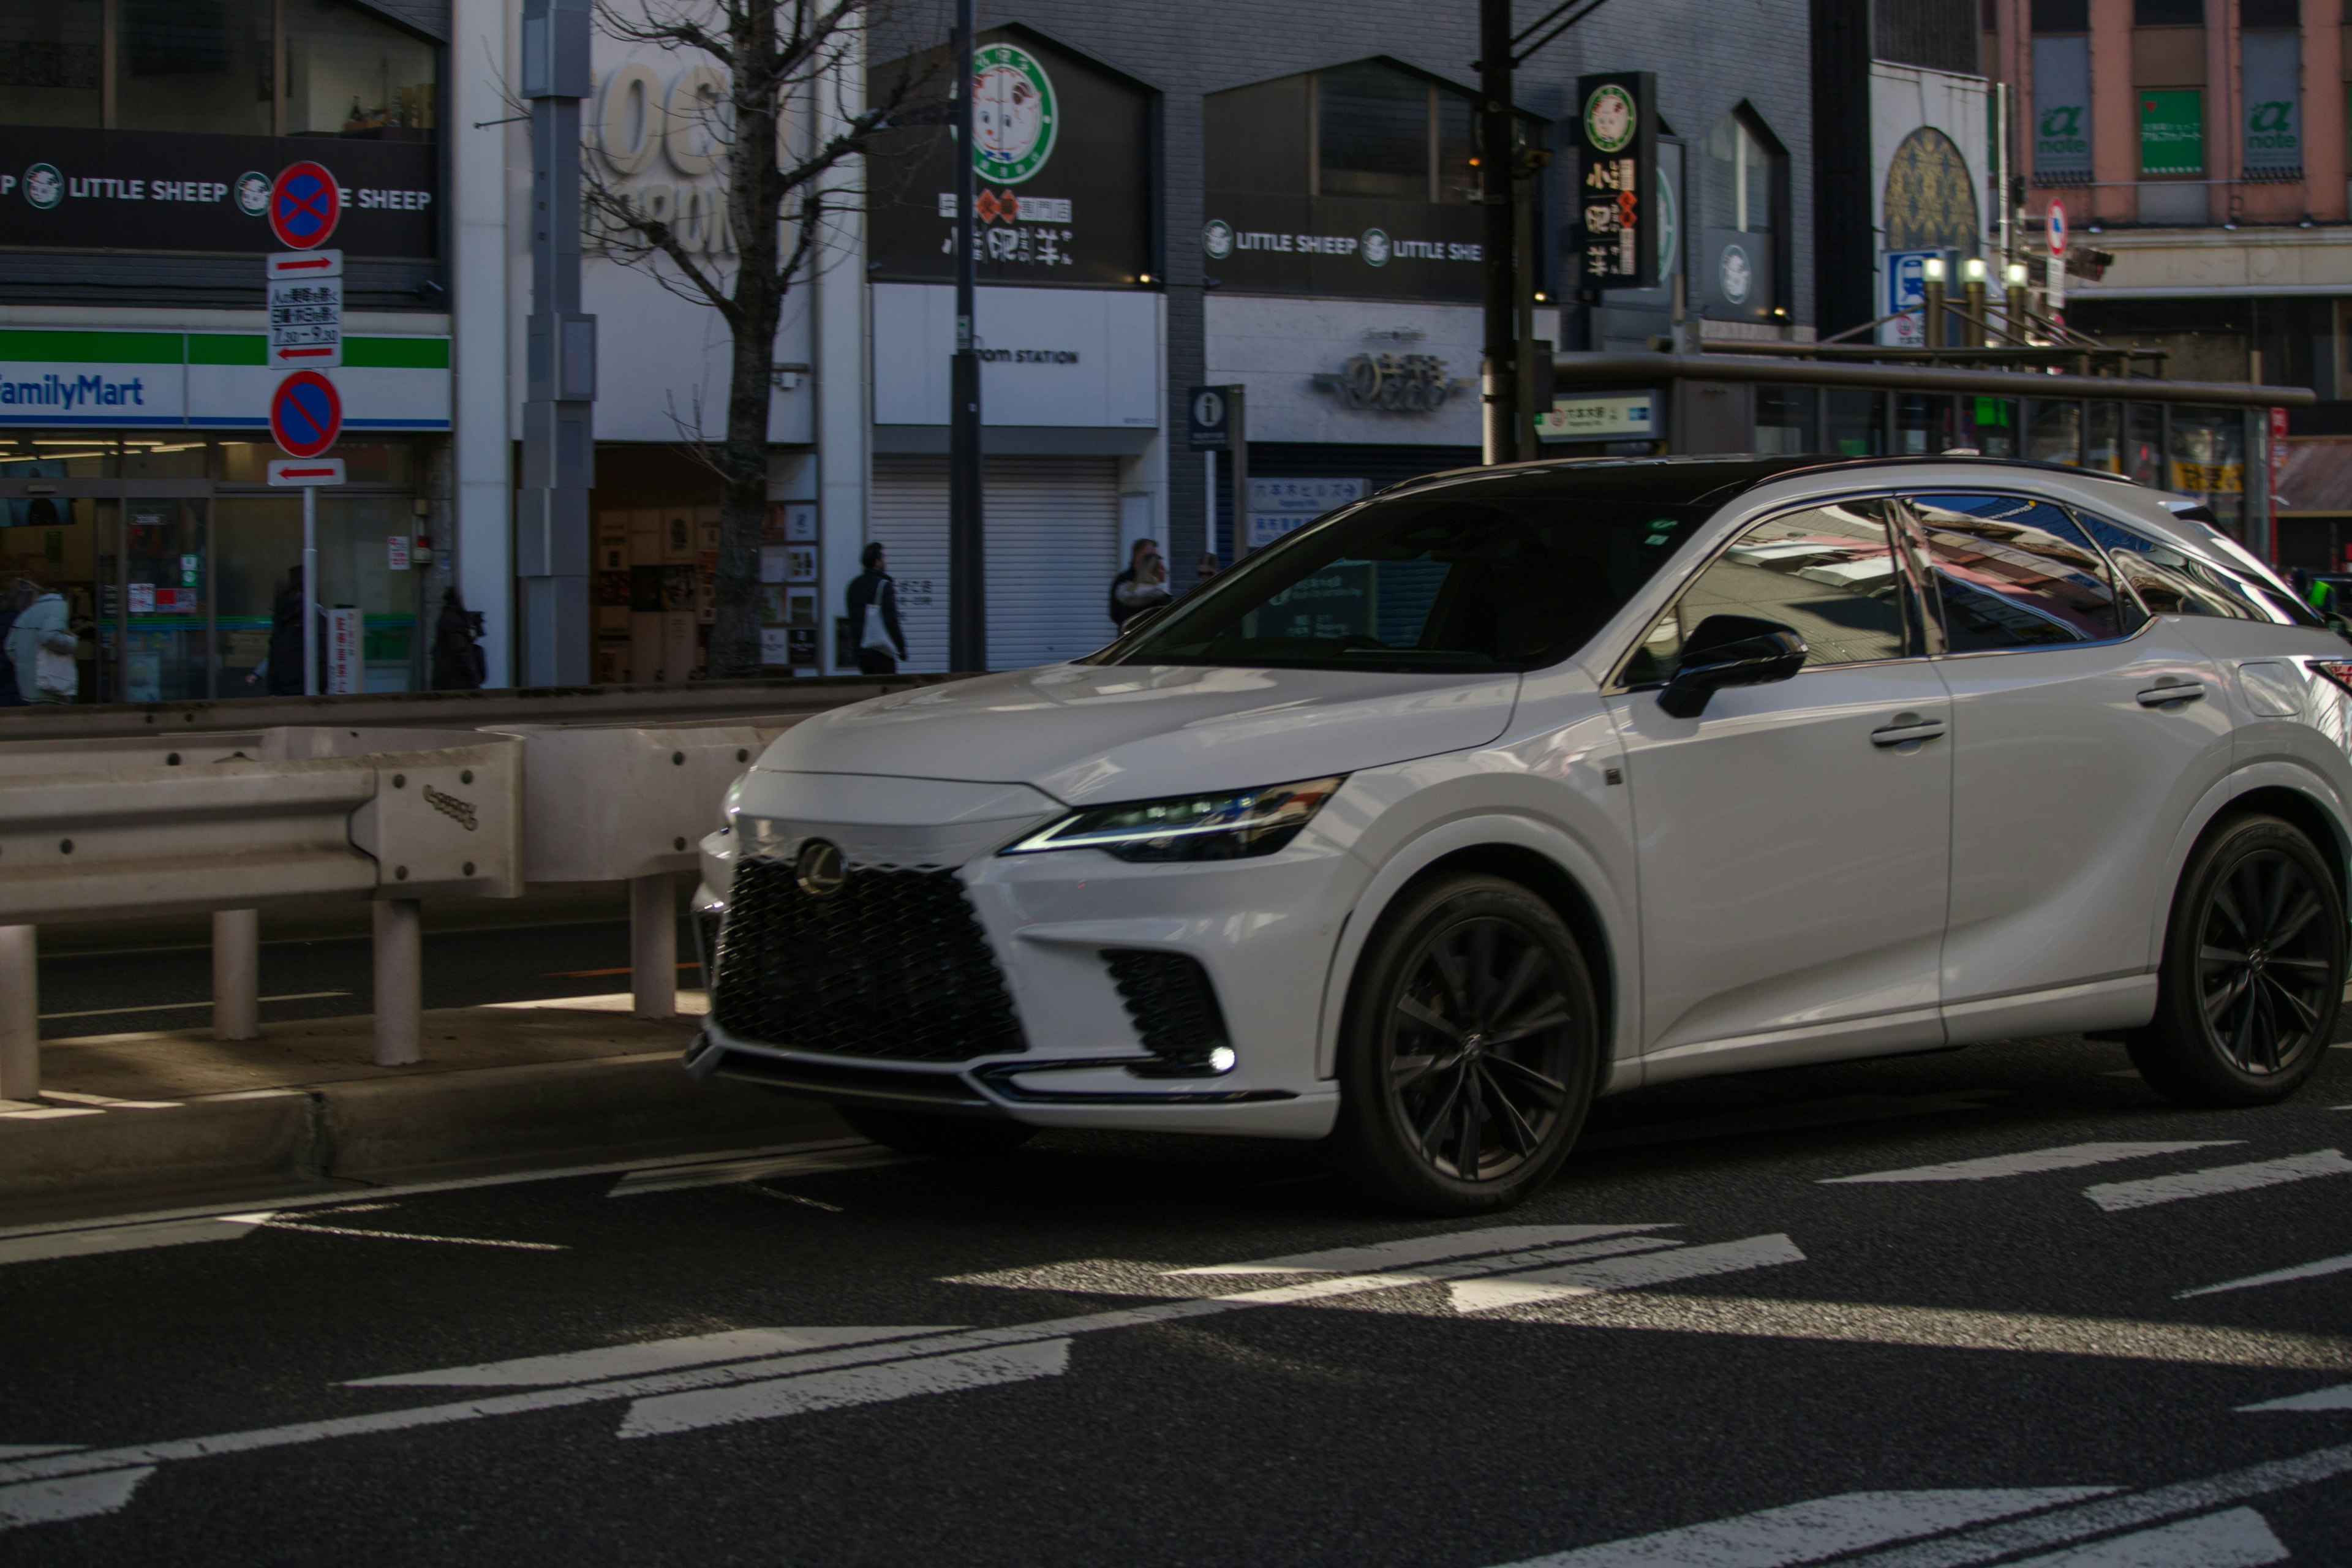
(2252, 971)
(1470, 1050)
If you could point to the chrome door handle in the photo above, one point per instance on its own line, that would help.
(2169, 690)
(1906, 727)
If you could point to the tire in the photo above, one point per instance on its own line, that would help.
(928, 1132)
(1470, 1050)
(2253, 971)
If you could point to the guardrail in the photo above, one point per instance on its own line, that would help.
(231, 822)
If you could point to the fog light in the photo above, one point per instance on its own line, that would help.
(1221, 1059)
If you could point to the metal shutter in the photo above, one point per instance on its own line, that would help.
(1053, 549)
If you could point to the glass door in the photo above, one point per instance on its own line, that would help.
(257, 565)
(166, 601)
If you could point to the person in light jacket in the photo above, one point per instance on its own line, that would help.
(44, 625)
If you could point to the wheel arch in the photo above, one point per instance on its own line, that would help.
(1544, 860)
(2294, 793)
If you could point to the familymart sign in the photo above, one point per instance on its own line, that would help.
(208, 380)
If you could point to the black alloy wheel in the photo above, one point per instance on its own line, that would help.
(2254, 970)
(1473, 1040)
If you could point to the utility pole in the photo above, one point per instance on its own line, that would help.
(967, 567)
(1498, 369)
(558, 411)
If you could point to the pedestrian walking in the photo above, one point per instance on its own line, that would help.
(1143, 586)
(41, 646)
(458, 664)
(872, 605)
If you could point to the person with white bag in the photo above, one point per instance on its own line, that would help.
(872, 605)
(41, 646)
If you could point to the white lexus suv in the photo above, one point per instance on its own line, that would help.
(1511, 787)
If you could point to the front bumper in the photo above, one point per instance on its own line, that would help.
(1263, 930)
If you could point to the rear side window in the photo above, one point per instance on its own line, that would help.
(1827, 572)
(2171, 581)
(2011, 572)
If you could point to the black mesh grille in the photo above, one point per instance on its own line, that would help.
(894, 964)
(1174, 1007)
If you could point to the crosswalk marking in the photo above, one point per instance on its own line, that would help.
(852, 1385)
(1624, 1273)
(2275, 1277)
(2336, 1398)
(1808, 1532)
(2240, 1538)
(2116, 1196)
(2033, 1161)
(1419, 1249)
(644, 1356)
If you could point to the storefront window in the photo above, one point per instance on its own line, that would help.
(2053, 432)
(1785, 420)
(348, 74)
(57, 455)
(2143, 453)
(1740, 179)
(2103, 438)
(2208, 452)
(1923, 423)
(196, 65)
(1988, 425)
(1373, 124)
(1856, 421)
(50, 57)
(164, 457)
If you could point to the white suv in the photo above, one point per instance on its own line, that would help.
(1509, 788)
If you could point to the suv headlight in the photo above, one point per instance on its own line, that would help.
(1234, 826)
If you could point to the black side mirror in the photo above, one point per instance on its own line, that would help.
(1731, 650)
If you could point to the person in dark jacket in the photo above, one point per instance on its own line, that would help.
(283, 671)
(458, 661)
(1143, 587)
(872, 605)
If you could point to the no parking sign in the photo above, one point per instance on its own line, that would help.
(305, 205)
(306, 414)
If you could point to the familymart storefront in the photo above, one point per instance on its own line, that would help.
(133, 481)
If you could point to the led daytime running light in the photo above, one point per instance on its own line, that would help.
(1155, 829)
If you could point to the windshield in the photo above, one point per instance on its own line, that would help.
(1466, 576)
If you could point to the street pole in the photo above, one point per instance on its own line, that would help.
(309, 590)
(558, 424)
(967, 572)
(1498, 370)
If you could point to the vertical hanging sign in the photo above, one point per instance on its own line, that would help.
(2062, 108)
(1617, 153)
(2270, 69)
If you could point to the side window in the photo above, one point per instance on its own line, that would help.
(1828, 571)
(2011, 572)
(2172, 582)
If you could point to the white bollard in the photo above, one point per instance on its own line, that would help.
(653, 944)
(20, 1012)
(237, 975)
(399, 983)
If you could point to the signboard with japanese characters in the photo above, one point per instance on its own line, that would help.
(306, 312)
(1061, 152)
(1617, 148)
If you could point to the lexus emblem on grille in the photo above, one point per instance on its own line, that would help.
(820, 868)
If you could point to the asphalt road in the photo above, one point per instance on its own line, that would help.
(1705, 1326)
(102, 992)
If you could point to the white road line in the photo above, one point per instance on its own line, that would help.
(186, 1006)
(2116, 1196)
(1792, 1118)
(1417, 1249)
(33, 1478)
(2238, 1539)
(806, 1203)
(2336, 1398)
(1808, 1532)
(26, 1450)
(406, 1235)
(859, 1156)
(645, 1356)
(125, 1237)
(74, 1497)
(2275, 1277)
(2033, 1161)
(1624, 1273)
(47, 1113)
(854, 1385)
(108, 1102)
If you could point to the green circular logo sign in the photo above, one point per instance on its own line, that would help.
(1217, 238)
(44, 186)
(1014, 114)
(1610, 119)
(252, 193)
(1375, 249)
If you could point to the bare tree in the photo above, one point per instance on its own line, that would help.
(786, 122)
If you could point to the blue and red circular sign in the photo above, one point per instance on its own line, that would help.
(305, 413)
(305, 205)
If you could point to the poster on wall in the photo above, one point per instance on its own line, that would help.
(1062, 160)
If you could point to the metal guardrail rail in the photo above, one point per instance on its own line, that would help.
(232, 822)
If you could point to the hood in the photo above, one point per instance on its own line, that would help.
(1104, 733)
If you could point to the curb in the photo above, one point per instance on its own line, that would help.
(608, 1107)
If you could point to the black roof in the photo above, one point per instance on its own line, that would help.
(1691, 481)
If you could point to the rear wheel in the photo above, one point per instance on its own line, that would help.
(1470, 1050)
(2252, 974)
(928, 1132)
